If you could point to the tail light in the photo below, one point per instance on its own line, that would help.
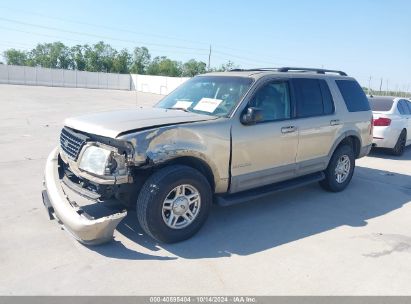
(382, 122)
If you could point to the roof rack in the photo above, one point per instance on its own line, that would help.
(319, 71)
(296, 69)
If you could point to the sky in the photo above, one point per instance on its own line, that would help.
(365, 38)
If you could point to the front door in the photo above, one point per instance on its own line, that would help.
(264, 153)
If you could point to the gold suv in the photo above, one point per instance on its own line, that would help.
(220, 137)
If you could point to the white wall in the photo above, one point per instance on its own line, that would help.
(156, 84)
(11, 74)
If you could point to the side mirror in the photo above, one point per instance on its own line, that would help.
(251, 116)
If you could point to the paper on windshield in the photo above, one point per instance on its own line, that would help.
(207, 104)
(182, 104)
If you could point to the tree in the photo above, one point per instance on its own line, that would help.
(15, 57)
(165, 67)
(78, 57)
(99, 58)
(121, 62)
(51, 55)
(141, 60)
(192, 68)
(102, 57)
(227, 66)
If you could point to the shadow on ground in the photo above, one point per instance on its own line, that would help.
(276, 220)
(385, 154)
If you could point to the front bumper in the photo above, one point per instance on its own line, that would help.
(87, 229)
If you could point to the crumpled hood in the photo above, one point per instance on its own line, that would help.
(113, 123)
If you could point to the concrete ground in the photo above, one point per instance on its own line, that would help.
(299, 242)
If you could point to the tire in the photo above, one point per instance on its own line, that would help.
(331, 183)
(164, 185)
(399, 147)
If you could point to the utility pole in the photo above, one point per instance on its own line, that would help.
(369, 86)
(209, 58)
(380, 87)
(386, 89)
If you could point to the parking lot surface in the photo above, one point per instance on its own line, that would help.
(299, 242)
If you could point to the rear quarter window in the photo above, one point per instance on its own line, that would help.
(353, 95)
(328, 102)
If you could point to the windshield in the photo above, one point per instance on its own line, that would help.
(211, 95)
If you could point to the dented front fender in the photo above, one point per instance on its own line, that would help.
(207, 141)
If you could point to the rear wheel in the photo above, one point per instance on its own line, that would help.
(399, 147)
(340, 169)
(174, 203)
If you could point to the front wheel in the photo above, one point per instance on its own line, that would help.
(174, 203)
(340, 169)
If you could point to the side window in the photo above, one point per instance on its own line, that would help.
(353, 95)
(274, 100)
(405, 107)
(400, 107)
(313, 97)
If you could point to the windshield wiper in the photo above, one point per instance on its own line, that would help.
(181, 109)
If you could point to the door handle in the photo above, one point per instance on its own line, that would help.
(288, 129)
(334, 122)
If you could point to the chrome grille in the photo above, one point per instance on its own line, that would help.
(71, 142)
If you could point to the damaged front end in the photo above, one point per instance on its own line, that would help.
(81, 181)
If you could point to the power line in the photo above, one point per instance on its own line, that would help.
(15, 44)
(38, 34)
(104, 26)
(80, 41)
(250, 60)
(247, 58)
(140, 33)
(96, 36)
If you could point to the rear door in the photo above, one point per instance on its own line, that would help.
(316, 122)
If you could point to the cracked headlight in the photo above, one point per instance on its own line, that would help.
(95, 160)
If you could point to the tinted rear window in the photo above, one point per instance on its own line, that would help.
(309, 97)
(313, 97)
(380, 105)
(354, 96)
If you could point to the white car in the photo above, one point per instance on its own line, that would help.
(392, 123)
